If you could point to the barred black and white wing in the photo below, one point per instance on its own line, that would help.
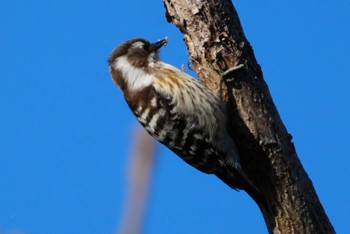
(160, 114)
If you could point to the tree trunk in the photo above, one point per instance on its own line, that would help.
(225, 62)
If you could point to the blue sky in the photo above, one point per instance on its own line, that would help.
(65, 128)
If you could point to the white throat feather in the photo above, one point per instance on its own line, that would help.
(136, 78)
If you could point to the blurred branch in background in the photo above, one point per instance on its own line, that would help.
(141, 160)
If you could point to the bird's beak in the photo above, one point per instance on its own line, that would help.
(157, 45)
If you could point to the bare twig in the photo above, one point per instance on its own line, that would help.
(141, 164)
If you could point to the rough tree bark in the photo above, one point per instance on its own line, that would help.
(217, 46)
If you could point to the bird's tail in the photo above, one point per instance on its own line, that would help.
(237, 179)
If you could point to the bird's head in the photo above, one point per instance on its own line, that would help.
(133, 60)
(139, 52)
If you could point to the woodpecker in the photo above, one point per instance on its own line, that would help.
(177, 110)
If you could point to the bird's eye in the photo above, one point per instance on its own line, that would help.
(146, 47)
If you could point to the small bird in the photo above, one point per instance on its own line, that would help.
(177, 110)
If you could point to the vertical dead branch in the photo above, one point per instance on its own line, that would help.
(216, 44)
